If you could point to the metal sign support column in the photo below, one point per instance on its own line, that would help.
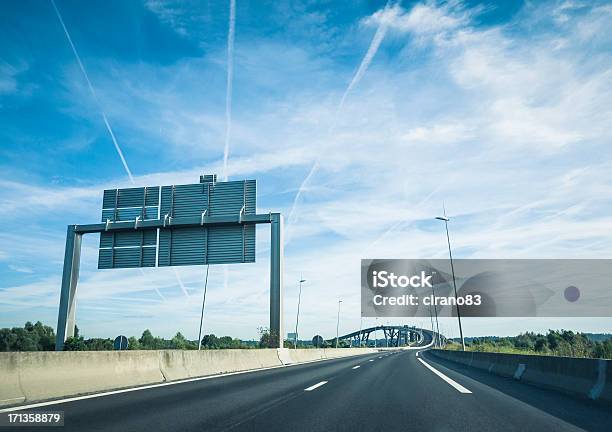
(276, 280)
(72, 257)
(70, 277)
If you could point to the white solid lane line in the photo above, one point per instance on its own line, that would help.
(449, 381)
(356, 367)
(317, 385)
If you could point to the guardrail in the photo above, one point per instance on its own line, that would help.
(36, 376)
(582, 377)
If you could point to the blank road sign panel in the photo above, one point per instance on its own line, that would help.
(126, 258)
(208, 245)
(231, 244)
(185, 200)
(228, 198)
(126, 249)
(126, 204)
(175, 246)
(183, 246)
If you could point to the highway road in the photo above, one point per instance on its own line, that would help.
(396, 391)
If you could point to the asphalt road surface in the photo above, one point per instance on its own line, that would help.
(382, 392)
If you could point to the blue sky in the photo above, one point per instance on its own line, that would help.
(358, 120)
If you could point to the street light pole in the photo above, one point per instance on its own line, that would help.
(433, 293)
(450, 254)
(433, 329)
(360, 331)
(297, 318)
(338, 323)
(376, 333)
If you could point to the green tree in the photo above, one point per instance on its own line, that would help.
(46, 337)
(541, 345)
(99, 344)
(32, 337)
(524, 341)
(210, 341)
(179, 341)
(227, 342)
(74, 343)
(603, 349)
(265, 338)
(133, 343)
(147, 341)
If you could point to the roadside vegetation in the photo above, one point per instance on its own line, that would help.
(555, 343)
(32, 337)
(40, 337)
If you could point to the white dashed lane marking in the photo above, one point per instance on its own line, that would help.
(317, 385)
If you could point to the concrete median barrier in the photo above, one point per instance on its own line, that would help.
(289, 356)
(10, 388)
(178, 364)
(36, 376)
(330, 353)
(44, 375)
(582, 377)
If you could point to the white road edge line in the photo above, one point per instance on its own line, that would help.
(356, 367)
(150, 386)
(317, 385)
(449, 381)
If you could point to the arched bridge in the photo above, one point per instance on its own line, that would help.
(394, 335)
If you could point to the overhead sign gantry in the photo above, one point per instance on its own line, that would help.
(209, 222)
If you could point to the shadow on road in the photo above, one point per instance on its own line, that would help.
(583, 413)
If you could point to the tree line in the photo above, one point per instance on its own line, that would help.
(556, 342)
(40, 337)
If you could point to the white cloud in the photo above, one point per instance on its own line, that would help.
(171, 14)
(428, 18)
(439, 133)
(21, 269)
(9, 76)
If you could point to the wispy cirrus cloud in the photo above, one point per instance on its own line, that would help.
(231, 32)
(8, 77)
(424, 19)
(384, 17)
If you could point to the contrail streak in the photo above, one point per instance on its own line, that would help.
(230, 76)
(365, 63)
(154, 287)
(381, 31)
(106, 122)
(231, 31)
(93, 92)
(298, 195)
(180, 281)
